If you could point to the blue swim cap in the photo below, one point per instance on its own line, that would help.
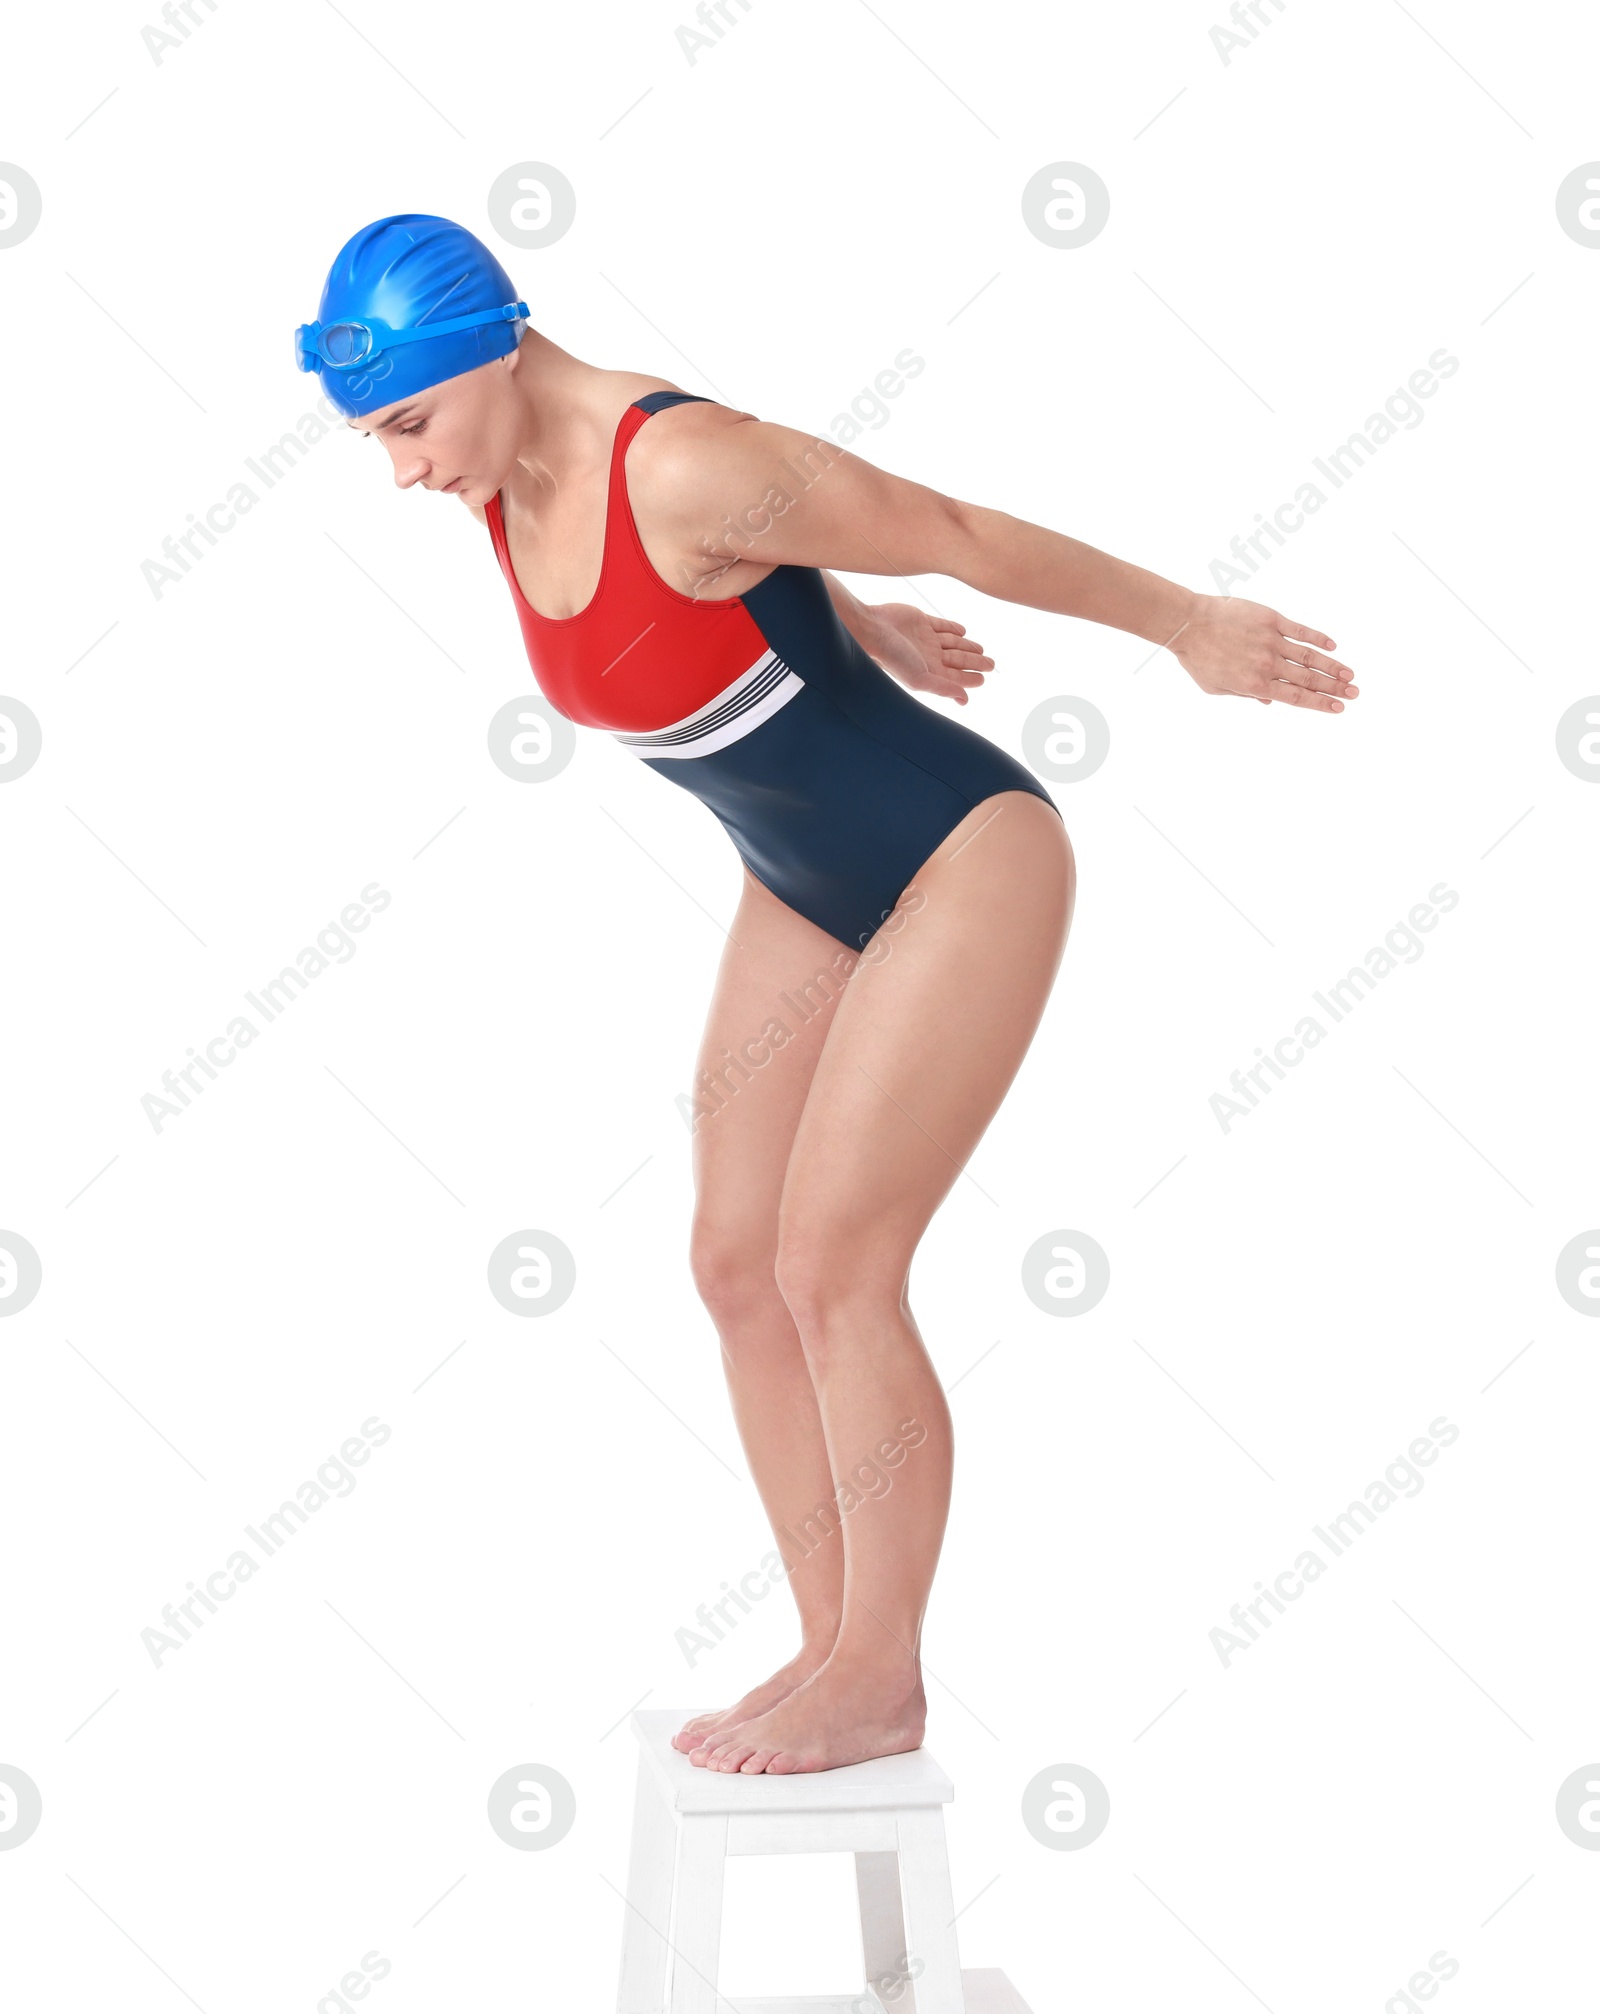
(409, 302)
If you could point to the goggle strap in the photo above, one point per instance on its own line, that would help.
(424, 330)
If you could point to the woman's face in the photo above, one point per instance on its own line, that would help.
(458, 437)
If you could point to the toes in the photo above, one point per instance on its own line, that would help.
(733, 1756)
(782, 1764)
(758, 1762)
(713, 1746)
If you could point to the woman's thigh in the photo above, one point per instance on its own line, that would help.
(923, 1048)
(777, 989)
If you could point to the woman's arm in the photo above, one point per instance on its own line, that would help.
(783, 497)
(1017, 561)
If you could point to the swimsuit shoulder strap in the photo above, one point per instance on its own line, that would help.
(632, 420)
(655, 402)
(624, 548)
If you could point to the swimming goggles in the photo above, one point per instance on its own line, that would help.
(341, 346)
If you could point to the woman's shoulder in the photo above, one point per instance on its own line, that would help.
(678, 436)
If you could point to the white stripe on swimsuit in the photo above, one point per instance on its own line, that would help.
(754, 696)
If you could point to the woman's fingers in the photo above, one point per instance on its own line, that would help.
(1301, 671)
(1314, 660)
(1301, 634)
(964, 659)
(960, 653)
(1289, 693)
(1318, 674)
(1293, 683)
(955, 642)
(1305, 676)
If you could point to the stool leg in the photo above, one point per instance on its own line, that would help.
(648, 1912)
(883, 1924)
(697, 1920)
(930, 1912)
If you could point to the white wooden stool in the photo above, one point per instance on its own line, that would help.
(888, 1813)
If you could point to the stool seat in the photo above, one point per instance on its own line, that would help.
(889, 1813)
(987, 1993)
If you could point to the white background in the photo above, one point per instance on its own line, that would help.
(225, 767)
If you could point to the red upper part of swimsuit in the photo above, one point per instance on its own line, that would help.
(641, 655)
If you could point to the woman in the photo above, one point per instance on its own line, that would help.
(906, 882)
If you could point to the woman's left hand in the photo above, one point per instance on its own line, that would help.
(926, 652)
(1249, 651)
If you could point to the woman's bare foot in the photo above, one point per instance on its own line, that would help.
(707, 1726)
(837, 1716)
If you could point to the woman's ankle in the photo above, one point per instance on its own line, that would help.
(817, 1643)
(864, 1669)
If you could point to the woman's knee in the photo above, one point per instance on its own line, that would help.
(831, 1276)
(733, 1268)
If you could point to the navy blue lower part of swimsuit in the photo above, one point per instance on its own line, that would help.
(836, 799)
